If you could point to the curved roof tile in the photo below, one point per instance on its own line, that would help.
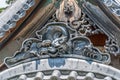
(11, 15)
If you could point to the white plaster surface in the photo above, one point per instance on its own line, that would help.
(70, 64)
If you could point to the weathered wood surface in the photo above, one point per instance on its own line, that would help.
(17, 27)
(35, 21)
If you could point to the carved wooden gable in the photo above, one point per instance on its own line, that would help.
(66, 46)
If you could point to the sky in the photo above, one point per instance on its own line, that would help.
(2, 3)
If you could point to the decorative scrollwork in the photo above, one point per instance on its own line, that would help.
(57, 39)
(112, 47)
(70, 13)
(79, 43)
(66, 35)
(86, 26)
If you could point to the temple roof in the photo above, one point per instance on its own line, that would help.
(12, 17)
(51, 35)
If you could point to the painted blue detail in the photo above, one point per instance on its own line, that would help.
(89, 61)
(26, 66)
(56, 62)
(37, 64)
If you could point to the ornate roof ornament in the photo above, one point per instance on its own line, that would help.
(57, 39)
(62, 48)
(62, 39)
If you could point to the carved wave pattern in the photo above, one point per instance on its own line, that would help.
(57, 39)
(64, 36)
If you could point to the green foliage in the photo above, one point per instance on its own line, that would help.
(1, 9)
(9, 1)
